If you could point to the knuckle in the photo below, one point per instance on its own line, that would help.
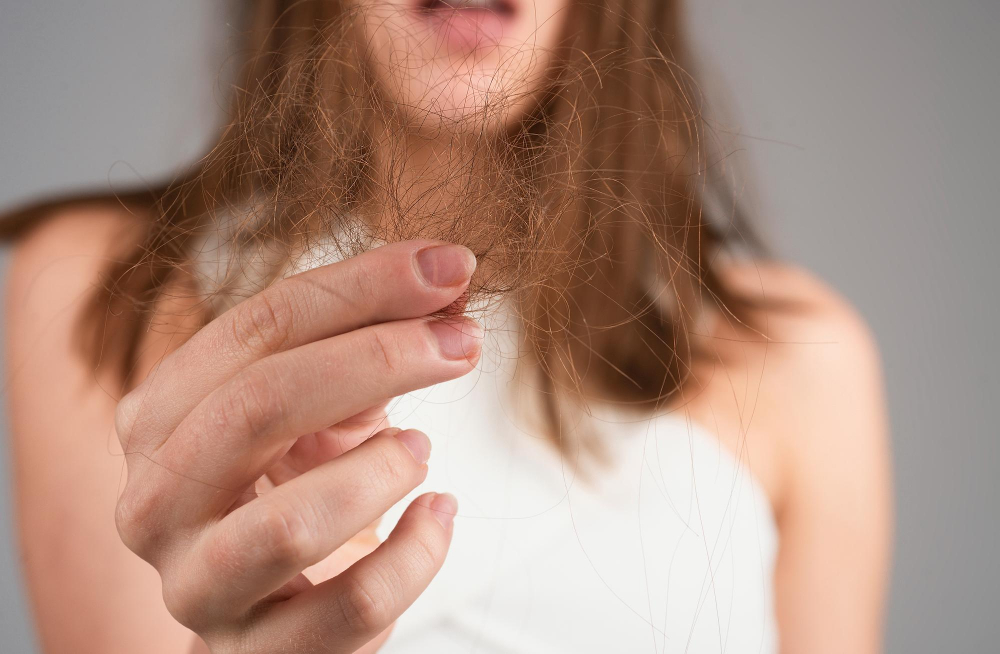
(387, 351)
(264, 323)
(134, 520)
(126, 524)
(368, 600)
(138, 416)
(125, 416)
(179, 601)
(128, 419)
(192, 600)
(388, 468)
(223, 553)
(253, 403)
(285, 539)
(364, 285)
(424, 553)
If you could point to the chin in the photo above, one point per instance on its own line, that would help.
(461, 63)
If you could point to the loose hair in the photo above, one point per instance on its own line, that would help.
(600, 215)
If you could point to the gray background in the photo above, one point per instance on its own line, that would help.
(871, 127)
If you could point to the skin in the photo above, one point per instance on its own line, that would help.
(806, 407)
(438, 84)
(230, 559)
(289, 562)
(448, 94)
(817, 441)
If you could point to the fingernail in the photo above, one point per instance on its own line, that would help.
(457, 339)
(418, 444)
(445, 506)
(445, 265)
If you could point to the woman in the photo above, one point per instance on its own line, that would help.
(664, 444)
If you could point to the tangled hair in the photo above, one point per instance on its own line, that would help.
(599, 215)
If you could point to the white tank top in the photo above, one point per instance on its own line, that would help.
(669, 547)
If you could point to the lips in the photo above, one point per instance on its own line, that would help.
(467, 25)
(500, 7)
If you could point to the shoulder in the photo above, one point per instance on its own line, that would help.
(87, 227)
(61, 418)
(76, 238)
(802, 323)
(55, 267)
(792, 297)
(804, 369)
(60, 256)
(820, 406)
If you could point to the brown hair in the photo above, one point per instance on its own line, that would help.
(592, 214)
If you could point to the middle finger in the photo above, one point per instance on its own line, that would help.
(242, 428)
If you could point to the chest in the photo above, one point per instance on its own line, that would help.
(670, 546)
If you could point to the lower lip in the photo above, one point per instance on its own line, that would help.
(466, 29)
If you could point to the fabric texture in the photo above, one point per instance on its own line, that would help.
(668, 546)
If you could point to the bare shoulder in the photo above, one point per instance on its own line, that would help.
(802, 322)
(801, 378)
(69, 463)
(55, 267)
(818, 414)
(61, 255)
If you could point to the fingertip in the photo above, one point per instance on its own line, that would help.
(456, 308)
(445, 265)
(416, 443)
(444, 506)
(458, 338)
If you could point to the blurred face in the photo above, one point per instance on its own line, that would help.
(460, 62)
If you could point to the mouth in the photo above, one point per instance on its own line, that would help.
(498, 7)
(466, 25)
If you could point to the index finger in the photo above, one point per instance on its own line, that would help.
(394, 282)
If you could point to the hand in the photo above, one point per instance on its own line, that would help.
(311, 351)
(313, 450)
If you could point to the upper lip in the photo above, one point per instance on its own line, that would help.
(501, 7)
